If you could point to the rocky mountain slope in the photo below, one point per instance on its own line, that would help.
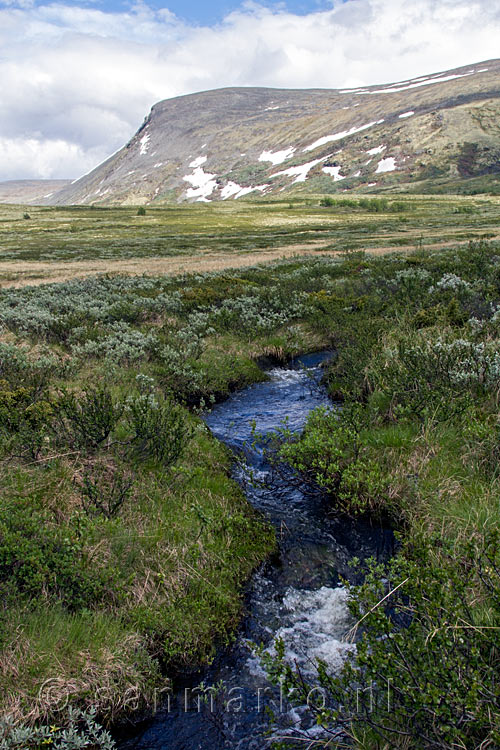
(29, 191)
(224, 144)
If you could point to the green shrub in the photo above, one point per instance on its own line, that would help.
(42, 560)
(104, 488)
(79, 730)
(160, 429)
(18, 365)
(328, 202)
(90, 416)
(25, 423)
(424, 673)
(332, 454)
(434, 375)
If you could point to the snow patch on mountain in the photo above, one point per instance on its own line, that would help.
(338, 136)
(301, 171)
(144, 144)
(198, 162)
(233, 190)
(386, 165)
(442, 79)
(334, 172)
(277, 157)
(376, 150)
(203, 183)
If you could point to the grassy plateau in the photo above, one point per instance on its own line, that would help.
(61, 243)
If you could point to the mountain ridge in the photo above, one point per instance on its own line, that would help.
(226, 143)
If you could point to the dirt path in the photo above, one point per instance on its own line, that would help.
(24, 273)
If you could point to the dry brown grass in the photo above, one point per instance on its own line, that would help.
(103, 680)
(32, 273)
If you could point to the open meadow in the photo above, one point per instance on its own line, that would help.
(55, 244)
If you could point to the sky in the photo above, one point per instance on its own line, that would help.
(77, 77)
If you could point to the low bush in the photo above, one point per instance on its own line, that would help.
(90, 417)
(42, 560)
(436, 375)
(25, 423)
(104, 488)
(425, 671)
(332, 453)
(80, 730)
(160, 429)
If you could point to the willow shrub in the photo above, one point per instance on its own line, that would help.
(81, 731)
(425, 671)
(333, 454)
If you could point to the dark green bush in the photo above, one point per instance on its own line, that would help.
(91, 416)
(43, 560)
(425, 671)
(25, 423)
(104, 488)
(332, 453)
(160, 429)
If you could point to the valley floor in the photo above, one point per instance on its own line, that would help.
(56, 244)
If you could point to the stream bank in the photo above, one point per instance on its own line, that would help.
(296, 596)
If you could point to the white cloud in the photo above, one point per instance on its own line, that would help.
(76, 82)
(23, 157)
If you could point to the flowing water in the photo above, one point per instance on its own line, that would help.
(296, 596)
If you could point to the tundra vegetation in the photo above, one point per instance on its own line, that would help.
(61, 242)
(124, 543)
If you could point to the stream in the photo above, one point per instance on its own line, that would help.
(297, 595)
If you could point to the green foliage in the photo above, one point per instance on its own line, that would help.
(90, 416)
(141, 211)
(332, 453)
(104, 489)
(80, 730)
(36, 370)
(25, 423)
(160, 429)
(417, 338)
(434, 375)
(40, 559)
(425, 670)
(372, 205)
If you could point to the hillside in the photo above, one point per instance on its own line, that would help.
(430, 131)
(29, 191)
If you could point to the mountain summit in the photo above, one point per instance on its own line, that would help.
(227, 143)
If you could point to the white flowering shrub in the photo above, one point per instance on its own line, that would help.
(450, 282)
(52, 310)
(425, 372)
(254, 314)
(121, 343)
(412, 277)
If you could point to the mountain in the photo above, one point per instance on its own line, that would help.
(434, 130)
(29, 191)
